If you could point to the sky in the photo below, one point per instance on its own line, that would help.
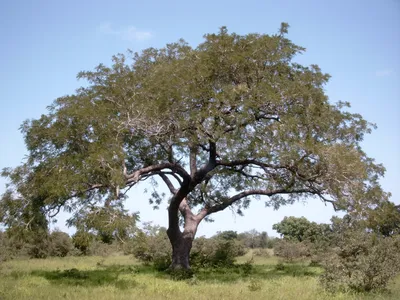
(46, 43)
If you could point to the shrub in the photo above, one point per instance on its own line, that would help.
(6, 252)
(291, 250)
(39, 246)
(152, 246)
(254, 285)
(280, 266)
(261, 253)
(215, 252)
(61, 244)
(362, 261)
(98, 248)
(82, 241)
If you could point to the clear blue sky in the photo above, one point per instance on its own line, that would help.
(46, 43)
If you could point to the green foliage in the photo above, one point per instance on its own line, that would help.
(214, 252)
(109, 224)
(82, 241)
(361, 260)
(300, 229)
(151, 245)
(221, 124)
(6, 250)
(227, 235)
(61, 244)
(39, 245)
(383, 219)
(266, 116)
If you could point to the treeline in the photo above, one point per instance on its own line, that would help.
(148, 243)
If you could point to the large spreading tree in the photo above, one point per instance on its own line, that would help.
(232, 120)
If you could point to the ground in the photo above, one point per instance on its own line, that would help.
(121, 277)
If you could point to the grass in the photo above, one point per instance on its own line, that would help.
(120, 277)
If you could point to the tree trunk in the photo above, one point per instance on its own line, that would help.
(180, 252)
(182, 243)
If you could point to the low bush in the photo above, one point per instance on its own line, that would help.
(39, 246)
(291, 250)
(151, 247)
(98, 248)
(261, 253)
(61, 244)
(362, 262)
(215, 252)
(82, 241)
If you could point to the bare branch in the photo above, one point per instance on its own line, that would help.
(136, 175)
(168, 182)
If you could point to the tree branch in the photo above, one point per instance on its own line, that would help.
(246, 162)
(211, 164)
(135, 176)
(237, 197)
(73, 195)
(168, 182)
(193, 160)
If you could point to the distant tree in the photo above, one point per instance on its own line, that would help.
(263, 240)
(227, 235)
(253, 239)
(301, 229)
(221, 124)
(293, 228)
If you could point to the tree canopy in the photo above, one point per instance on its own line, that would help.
(301, 229)
(228, 121)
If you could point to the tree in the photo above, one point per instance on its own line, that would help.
(301, 229)
(254, 239)
(221, 124)
(227, 235)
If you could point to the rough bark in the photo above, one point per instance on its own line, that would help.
(182, 241)
(181, 246)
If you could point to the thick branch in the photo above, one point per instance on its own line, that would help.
(193, 160)
(237, 197)
(211, 164)
(168, 182)
(135, 176)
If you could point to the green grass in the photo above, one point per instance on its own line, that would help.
(120, 277)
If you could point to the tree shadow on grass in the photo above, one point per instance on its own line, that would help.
(262, 272)
(111, 274)
(103, 275)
